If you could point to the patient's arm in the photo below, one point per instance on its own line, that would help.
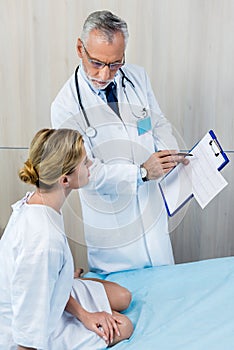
(20, 347)
(102, 323)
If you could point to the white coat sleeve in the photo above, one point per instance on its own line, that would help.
(113, 179)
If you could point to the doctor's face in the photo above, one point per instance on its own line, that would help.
(101, 59)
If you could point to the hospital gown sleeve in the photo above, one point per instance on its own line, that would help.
(33, 281)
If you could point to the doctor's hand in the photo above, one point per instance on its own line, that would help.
(102, 323)
(160, 163)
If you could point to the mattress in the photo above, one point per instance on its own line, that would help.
(180, 307)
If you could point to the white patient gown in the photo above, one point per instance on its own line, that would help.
(36, 278)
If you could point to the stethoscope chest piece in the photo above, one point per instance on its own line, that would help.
(90, 131)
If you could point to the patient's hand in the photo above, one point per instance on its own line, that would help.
(102, 323)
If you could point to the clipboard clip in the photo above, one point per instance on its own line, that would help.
(215, 147)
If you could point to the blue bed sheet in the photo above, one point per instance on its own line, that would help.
(180, 307)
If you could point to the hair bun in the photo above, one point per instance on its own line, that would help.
(28, 173)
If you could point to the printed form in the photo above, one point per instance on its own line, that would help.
(207, 181)
(200, 178)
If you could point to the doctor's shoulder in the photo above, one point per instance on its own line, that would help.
(137, 74)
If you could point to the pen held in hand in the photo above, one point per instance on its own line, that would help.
(184, 154)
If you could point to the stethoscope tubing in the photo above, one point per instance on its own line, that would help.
(79, 97)
(91, 131)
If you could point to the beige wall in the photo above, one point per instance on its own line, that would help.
(186, 46)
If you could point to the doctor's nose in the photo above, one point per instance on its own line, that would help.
(105, 73)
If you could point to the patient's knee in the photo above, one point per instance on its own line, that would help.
(126, 328)
(125, 296)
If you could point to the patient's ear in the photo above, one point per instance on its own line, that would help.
(64, 181)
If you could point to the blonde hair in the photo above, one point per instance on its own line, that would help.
(52, 153)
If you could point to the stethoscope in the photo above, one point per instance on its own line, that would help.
(90, 130)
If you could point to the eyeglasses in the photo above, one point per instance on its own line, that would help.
(100, 65)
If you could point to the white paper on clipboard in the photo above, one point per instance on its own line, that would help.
(200, 178)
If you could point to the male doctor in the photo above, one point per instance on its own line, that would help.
(131, 145)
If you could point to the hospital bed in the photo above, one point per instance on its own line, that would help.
(180, 307)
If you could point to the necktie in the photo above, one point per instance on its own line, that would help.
(111, 97)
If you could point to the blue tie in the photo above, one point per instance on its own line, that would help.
(111, 97)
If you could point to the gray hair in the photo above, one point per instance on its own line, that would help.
(107, 23)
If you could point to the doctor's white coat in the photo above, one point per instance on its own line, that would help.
(124, 219)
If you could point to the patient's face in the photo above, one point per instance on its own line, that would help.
(80, 176)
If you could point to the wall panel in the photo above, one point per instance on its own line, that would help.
(11, 188)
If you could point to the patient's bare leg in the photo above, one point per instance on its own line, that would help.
(119, 297)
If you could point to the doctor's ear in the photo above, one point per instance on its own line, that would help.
(79, 48)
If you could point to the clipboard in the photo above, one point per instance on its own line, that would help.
(176, 187)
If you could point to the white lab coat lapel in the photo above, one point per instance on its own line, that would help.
(142, 146)
(112, 138)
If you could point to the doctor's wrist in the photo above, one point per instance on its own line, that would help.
(144, 173)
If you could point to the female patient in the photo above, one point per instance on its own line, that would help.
(41, 305)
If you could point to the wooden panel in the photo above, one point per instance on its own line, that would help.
(12, 188)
